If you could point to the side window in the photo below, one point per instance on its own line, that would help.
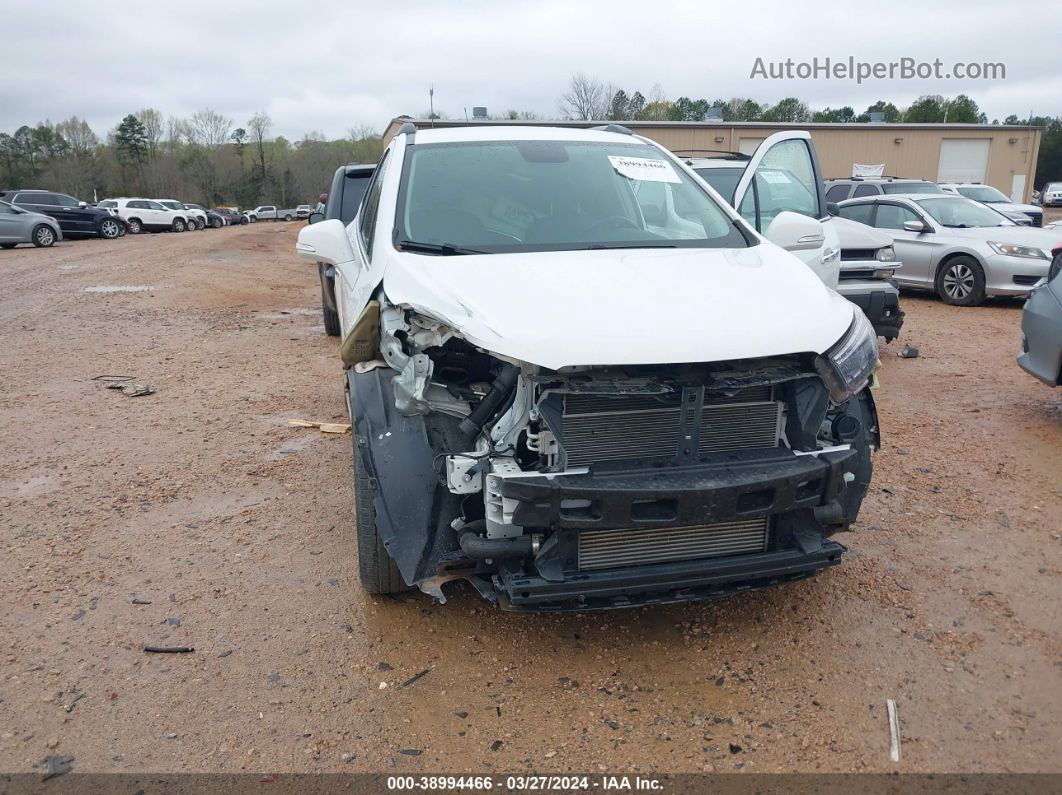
(788, 172)
(838, 193)
(892, 216)
(65, 201)
(371, 206)
(861, 213)
(154, 206)
(45, 199)
(864, 190)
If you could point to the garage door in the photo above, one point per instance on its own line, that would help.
(748, 146)
(963, 160)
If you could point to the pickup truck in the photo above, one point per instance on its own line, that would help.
(269, 212)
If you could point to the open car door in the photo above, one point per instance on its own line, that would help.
(784, 174)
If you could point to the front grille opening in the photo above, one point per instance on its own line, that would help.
(1027, 281)
(654, 510)
(808, 488)
(755, 501)
(610, 549)
(580, 509)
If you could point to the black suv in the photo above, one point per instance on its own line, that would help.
(76, 218)
(344, 199)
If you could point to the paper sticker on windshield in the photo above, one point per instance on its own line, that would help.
(644, 168)
(776, 177)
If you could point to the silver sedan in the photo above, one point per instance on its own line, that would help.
(961, 249)
(22, 226)
(1041, 328)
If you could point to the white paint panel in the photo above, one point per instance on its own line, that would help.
(963, 159)
(748, 146)
(1017, 189)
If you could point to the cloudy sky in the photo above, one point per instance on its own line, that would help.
(330, 66)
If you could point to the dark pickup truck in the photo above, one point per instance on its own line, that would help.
(344, 199)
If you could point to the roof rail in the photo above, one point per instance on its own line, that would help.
(614, 128)
(407, 128)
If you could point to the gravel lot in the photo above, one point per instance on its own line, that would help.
(236, 530)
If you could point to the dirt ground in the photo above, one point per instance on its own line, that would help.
(236, 530)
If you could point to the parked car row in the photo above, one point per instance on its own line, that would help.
(43, 217)
(269, 212)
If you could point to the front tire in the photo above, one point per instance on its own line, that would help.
(200, 224)
(135, 227)
(43, 236)
(216, 223)
(287, 217)
(110, 229)
(331, 316)
(961, 282)
(178, 225)
(376, 569)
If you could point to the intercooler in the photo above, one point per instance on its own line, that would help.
(610, 549)
(598, 428)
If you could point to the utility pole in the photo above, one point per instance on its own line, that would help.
(431, 104)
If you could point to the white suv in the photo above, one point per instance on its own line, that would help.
(579, 379)
(146, 215)
(195, 219)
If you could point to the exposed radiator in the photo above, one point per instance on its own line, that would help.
(610, 549)
(601, 428)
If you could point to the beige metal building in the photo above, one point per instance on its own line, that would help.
(995, 154)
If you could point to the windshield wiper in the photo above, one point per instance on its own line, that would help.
(957, 226)
(442, 249)
(603, 246)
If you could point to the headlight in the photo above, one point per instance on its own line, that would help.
(846, 367)
(887, 254)
(1014, 250)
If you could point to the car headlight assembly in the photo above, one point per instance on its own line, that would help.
(847, 366)
(1014, 250)
(886, 254)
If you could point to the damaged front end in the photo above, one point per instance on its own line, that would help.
(603, 487)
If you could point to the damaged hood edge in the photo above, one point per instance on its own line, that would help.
(644, 306)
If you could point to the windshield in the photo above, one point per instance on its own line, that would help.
(912, 187)
(961, 213)
(724, 180)
(172, 205)
(984, 193)
(508, 196)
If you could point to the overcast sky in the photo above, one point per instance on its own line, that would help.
(330, 66)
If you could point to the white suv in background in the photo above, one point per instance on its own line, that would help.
(196, 219)
(145, 215)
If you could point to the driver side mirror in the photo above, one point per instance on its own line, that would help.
(326, 241)
(914, 226)
(833, 208)
(82, 205)
(795, 232)
(314, 217)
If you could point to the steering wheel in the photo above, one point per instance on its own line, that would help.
(610, 221)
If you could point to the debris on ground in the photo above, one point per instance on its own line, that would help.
(128, 385)
(141, 601)
(168, 649)
(894, 731)
(75, 696)
(324, 427)
(57, 766)
(415, 677)
(909, 352)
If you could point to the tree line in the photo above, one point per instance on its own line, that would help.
(587, 98)
(205, 158)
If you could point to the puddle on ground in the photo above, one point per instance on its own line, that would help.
(120, 288)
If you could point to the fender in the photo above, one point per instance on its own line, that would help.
(412, 506)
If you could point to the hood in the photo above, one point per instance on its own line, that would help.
(853, 234)
(616, 307)
(1045, 239)
(1011, 207)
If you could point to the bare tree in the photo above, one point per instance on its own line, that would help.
(210, 129)
(585, 99)
(259, 126)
